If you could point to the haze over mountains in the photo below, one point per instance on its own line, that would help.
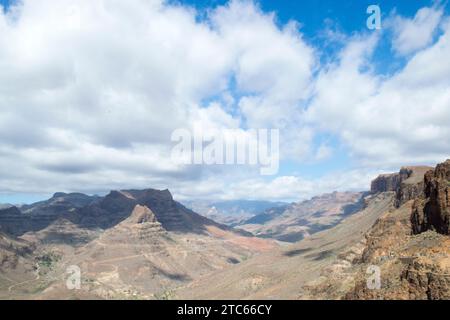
(232, 212)
(298, 220)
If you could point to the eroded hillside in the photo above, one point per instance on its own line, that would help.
(128, 244)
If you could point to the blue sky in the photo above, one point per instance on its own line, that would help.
(353, 102)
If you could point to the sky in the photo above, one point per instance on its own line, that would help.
(91, 93)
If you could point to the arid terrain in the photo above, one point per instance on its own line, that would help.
(299, 220)
(142, 244)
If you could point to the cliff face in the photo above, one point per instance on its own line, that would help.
(432, 212)
(385, 183)
(408, 244)
(407, 184)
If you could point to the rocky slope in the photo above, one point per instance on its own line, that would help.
(407, 183)
(299, 220)
(413, 259)
(338, 263)
(128, 244)
(284, 272)
(16, 262)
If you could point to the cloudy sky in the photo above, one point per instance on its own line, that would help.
(91, 91)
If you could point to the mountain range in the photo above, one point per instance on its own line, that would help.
(141, 241)
(232, 212)
(143, 244)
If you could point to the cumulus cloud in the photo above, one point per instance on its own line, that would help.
(282, 188)
(387, 120)
(91, 91)
(416, 33)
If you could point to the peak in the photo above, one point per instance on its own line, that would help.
(141, 214)
(119, 194)
(59, 194)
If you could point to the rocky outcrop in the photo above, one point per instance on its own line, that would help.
(385, 183)
(432, 212)
(141, 214)
(410, 266)
(407, 184)
(141, 225)
(411, 185)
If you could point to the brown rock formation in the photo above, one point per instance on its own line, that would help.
(408, 183)
(433, 211)
(385, 183)
(141, 214)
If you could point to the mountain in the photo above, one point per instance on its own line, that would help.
(231, 212)
(409, 244)
(407, 184)
(402, 229)
(5, 205)
(298, 220)
(39, 215)
(142, 244)
(16, 262)
(283, 272)
(129, 243)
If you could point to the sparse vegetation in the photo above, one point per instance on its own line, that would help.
(48, 260)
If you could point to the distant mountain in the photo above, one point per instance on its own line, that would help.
(284, 272)
(39, 215)
(295, 221)
(139, 239)
(5, 205)
(231, 212)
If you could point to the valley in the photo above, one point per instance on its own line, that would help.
(142, 244)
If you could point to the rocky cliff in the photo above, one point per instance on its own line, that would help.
(432, 211)
(408, 244)
(385, 183)
(407, 184)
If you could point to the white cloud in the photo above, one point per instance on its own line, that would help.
(282, 188)
(416, 33)
(387, 120)
(90, 92)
